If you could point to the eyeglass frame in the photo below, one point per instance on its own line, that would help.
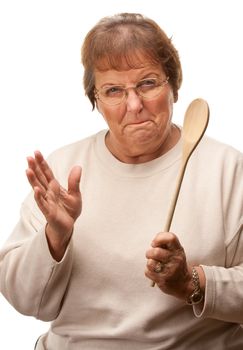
(135, 87)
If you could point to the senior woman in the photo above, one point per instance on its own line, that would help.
(80, 262)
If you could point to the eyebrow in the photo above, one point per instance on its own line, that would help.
(144, 76)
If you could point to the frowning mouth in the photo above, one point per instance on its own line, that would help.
(139, 122)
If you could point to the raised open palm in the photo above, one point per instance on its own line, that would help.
(61, 207)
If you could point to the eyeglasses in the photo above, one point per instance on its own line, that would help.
(148, 89)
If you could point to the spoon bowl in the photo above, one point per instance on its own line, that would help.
(194, 125)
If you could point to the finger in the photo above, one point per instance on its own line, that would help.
(39, 175)
(40, 200)
(167, 240)
(44, 166)
(152, 265)
(74, 180)
(151, 274)
(31, 177)
(34, 182)
(158, 254)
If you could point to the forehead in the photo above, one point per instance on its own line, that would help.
(131, 75)
(131, 62)
(125, 60)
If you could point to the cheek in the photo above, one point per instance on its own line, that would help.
(103, 111)
(164, 106)
(112, 115)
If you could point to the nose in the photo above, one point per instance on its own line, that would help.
(133, 101)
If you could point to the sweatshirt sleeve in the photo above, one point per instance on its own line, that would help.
(224, 284)
(30, 279)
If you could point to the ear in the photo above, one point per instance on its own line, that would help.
(97, 106)
(173, 97)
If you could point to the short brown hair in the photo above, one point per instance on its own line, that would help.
(122, 37)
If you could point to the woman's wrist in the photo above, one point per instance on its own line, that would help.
(57, 242)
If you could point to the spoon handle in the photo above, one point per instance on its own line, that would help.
(175, 197)
(174, 200)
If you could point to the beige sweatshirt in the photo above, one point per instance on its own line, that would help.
(98, 297)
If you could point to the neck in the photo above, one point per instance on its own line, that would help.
(142, 153)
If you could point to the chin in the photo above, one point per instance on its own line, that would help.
(143, 136)
(142, 145)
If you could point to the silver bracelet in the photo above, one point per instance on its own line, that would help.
(197, 296)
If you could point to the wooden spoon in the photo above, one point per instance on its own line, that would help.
(194, 126)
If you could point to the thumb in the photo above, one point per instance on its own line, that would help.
(74, 179)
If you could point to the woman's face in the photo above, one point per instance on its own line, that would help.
(139, 129)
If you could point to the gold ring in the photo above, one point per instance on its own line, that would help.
(159, 267)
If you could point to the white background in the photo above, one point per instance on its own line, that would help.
(42, 105)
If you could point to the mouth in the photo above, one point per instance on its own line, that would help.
(140, 122)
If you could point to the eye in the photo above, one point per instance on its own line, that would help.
(113, 91)
(146, 84)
